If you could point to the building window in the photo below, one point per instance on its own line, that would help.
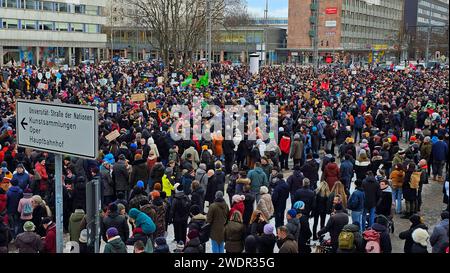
(91, 10)
(79, 9)
(30, 4)
(29, 25)
(10, 23)
(76, 27)
(62, 26)
(46, 26)
(63, 7)
(47, 6)
(91, 28)
(9, 4)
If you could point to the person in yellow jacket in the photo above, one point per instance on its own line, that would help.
(167, 186)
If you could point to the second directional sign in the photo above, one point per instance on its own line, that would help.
(57, 128)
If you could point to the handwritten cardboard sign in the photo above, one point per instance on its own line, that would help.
(152, 105)
(113, 135)
(138, 97)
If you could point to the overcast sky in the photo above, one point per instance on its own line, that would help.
(277, 8)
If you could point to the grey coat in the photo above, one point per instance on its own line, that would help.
(202, 178)
(107, 181)
(439, 237)
(121, 176)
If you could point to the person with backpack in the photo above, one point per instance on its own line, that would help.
(25, 208)
(180, 213)
(234, 233)
(356, 205)
(350, 240)
(410, 187)
(423, 168)
(416, 222)
(376, 238)
(335, 225)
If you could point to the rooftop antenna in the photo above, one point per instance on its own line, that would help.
(266, 10)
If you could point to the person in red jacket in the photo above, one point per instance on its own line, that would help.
(41, 176)
(238, 204)
(331, 173)
(285, 148)
(50, 237)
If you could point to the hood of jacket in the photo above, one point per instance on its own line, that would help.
(77, 215)
(139, 161)
(388, 189)
(200, 172)
(116, 242)
(332, 166)
(28, 237)
(297, 173)
(351, 228)
(194, 242)
(259, 170)
(199, 217)
(379, 227)
(199, 190)
(362, 163)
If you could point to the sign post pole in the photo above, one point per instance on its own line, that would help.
(59, 203)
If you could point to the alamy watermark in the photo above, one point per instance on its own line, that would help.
(204, 122)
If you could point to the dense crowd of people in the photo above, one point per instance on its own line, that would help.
(341, 133)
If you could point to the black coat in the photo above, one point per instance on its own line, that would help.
(211, 189)
(280, 195)
(198, 198)
(266, 243)
(311, 171)
(39, 213)
(139, 171)
(79, 195)
(307, 196)
(372, 192)
(384, 204)
(220, 180)
(180, 207)
(408, 193)
(228, 147)
(334, 226)
(194, 246)
(295, 181)
(321, 205)
(407, 236)
(418, 248)
(248, 204)
(117, 221)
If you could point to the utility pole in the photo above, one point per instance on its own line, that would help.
(208, 35)
(427, 51)
(264, 45)
(316, 38)
(112, 29)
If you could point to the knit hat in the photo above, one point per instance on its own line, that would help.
(412, 138)
(296, 136)
(83, 236)
(137, 156)
(46, 221)
(133, 145)
(204, 147)
(155, 194)
(263, 190)
(140, 184)
(268, 229)
(160, 241)
(193, 233)
(238, 198)
(168, 171)
(194, 210)
(180, 246)
(157, 187)
(415, 219)
(427, 139)
(219, 194)
(421, 236)
(292, 213)
(112, 232)
(202, 166)
(29, 226)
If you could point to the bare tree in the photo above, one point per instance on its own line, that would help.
(178, 26)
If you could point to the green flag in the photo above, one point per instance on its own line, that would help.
(187, 81)
(203, 81)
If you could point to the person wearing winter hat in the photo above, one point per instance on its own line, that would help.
(161, 245)
(265, 204)
(266, 242)
(139, 246)
(167, 185)
(28, 241)
(82, 241)
(217, 217)
(439, 237)
(420, 237)
(416, 222)
(334, 226)
(50, 237)
(114, 243)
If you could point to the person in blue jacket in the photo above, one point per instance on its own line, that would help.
(356, 204)
(142, 220)
(22, 177)
(14, 194)
(359, 124)
(439, 152)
